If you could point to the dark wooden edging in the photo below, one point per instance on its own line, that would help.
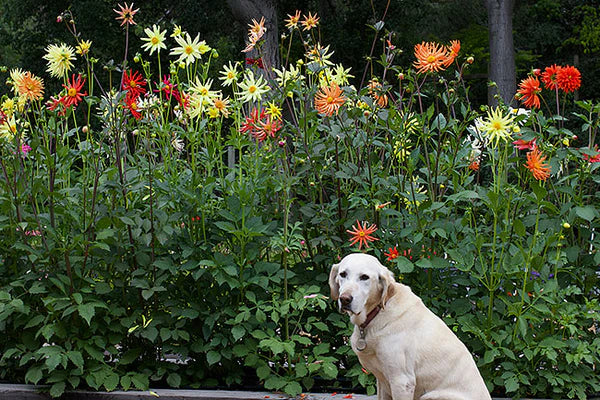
(30, 392)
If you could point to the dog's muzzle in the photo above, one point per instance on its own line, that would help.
(345, 302)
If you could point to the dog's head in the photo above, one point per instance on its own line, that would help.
(359, 283)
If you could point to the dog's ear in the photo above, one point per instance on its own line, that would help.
(333, 282)
(386, 279)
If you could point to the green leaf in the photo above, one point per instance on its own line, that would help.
(237, 332)
(126, 382)
(76, 358)
(34, 321)
(140, 381)
(511, 384)
(263, 372)
(588, 213)
(404, 265)
(129, 356)
(293, 389)
(329, 370)
(34, 374)
(86, 311)
(111, 381)
(424, 263)
(57, 389)
(212, 357)
(174, 380)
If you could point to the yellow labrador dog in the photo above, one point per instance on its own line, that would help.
(411, 352)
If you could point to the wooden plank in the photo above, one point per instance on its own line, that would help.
(31, 392)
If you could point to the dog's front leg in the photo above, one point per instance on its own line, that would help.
(403, 388)
(383, 392)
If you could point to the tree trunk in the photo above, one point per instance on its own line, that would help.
(501, 69)
(244, 11)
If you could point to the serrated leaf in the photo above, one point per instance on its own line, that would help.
(329, 370)
(126, 382)
(111, 381)
(34, 375)
(86, 311)
(238, 332)
(57, 389)
(76, 358)
(140, 381)
(293, 389)
(404, 265)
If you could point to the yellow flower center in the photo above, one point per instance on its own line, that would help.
(155, 40)
(132, 84)
(329, 100)
(252, 89)
(431, 59)
(219, 104)
(189, 49)
(204, 91)
(361, 234)
(133, 106)
(497, 126)
(72, 92)
(230, 75)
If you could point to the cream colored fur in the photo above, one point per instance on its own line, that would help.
(411, 351)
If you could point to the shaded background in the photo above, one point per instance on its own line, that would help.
(545, 31)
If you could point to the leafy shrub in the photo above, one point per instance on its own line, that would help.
(158, 231)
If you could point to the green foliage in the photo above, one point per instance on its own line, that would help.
(192, 248)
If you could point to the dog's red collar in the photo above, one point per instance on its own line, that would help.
(370, 317)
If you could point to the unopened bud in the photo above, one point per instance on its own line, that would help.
(566, 225)
(470, 60)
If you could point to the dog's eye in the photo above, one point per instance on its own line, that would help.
(364, 277)
(343, 274)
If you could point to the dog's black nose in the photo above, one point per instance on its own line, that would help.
(345, 300)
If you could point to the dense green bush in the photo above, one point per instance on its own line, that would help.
(166, 218)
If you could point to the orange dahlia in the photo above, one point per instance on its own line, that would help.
(431, 57)
(568, 78)
(549, 76)
(377, 93)
(328, 100)
(535, 163)
(30, 87)
(362, 234)
(529, 89)
(452, 52)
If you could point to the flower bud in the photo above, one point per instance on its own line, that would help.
(182, 65)
(470, 60)
(537, 72)
(565, 141)
(566, 225)
(85, 129)
(59, 19)
(400, 76)
(136, 59)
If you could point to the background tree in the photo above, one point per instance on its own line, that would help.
(501, 67)
(245, 11)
